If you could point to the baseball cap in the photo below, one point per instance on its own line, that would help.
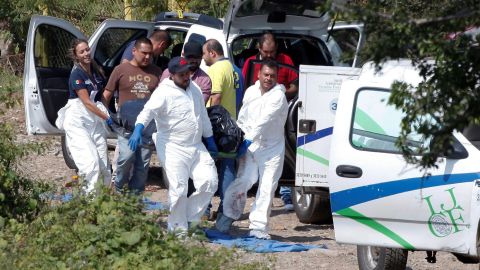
(192, 49)
(178, 64)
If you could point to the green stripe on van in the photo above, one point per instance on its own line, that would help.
(367, 123)
(375, 225)
(312, 156)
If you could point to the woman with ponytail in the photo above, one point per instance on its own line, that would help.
(84, 119)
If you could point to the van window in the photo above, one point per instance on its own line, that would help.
(51, 47)
(302, 49)
(113, 42)
(376, 125)
(343, 44)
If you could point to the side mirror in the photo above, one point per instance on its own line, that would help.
(456, 151)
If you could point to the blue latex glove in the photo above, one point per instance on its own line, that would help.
(136, 138)
(109, 121)
(211, 146)
(242, 149)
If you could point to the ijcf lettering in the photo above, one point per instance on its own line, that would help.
(444, 222)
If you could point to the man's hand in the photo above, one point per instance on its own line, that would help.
(109, 121)
(242, 149)
(212, 147)
(136, 138)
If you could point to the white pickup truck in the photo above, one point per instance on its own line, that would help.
(346, 147)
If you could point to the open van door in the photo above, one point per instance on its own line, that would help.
(112, 37)
(377, 199)
(47, 68)
(344, 41)
(275, 14)
(47, 65)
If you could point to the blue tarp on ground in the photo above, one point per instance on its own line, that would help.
(57, 197)
(152, 205)
(256, 245)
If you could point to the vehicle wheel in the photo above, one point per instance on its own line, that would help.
(379, 258)
(164, 178)
(66, 155)
(467, 259)
(312, 208)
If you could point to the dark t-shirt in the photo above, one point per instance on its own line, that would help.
(133, 82)
(79, 79)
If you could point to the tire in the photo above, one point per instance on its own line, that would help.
(66, 155)
(164, 178)
(379, 258)
(312, 208)
(467, 259)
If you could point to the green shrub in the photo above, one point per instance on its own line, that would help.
(102, 231)
(19, 197)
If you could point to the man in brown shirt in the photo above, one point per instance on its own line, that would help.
(134, 80)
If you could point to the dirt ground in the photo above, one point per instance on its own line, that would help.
(285, 225)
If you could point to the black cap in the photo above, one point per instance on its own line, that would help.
(192, 49)
(178, 64)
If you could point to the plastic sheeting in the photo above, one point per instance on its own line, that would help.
(227, 134)
(257, 245)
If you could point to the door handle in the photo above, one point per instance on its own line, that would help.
(307, 126)
(349, 171)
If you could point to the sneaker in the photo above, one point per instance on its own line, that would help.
(259, 234)
(223, 223)
(288, 207)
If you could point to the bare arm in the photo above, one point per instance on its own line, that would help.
(84, 97)
(106, 97)
(215, 99)
(292, 91)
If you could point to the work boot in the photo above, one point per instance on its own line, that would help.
(259, 234)
(223, 223)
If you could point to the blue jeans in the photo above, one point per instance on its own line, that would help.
(286, 194)
(140, 160)
(226, 175)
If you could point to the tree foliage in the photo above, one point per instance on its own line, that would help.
(20, 198)
(88, 14)
(214, 8)
(434, 35)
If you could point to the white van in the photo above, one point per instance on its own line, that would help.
(346, 145)
(303, 33)
(47, 65)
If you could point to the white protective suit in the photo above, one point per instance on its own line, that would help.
(86, 137)
(182, 121)
(262, 118)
